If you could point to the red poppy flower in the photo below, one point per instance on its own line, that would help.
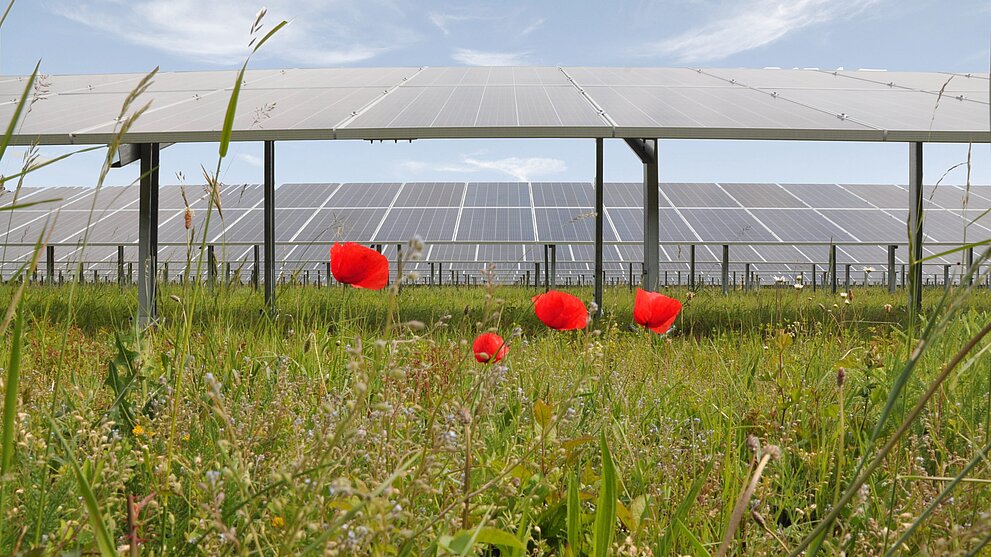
(359, 266)
(654, 311)
(560, 310)
(489, 348)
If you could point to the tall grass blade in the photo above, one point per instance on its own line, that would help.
(574, 516)
(104, 539)
(605, 512)
(11, 385)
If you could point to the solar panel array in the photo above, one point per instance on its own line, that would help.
(465, 225)
(488, 102)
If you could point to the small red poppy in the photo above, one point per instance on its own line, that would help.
(654, 311)
(359, 266)
(560, 310)
(489, 348)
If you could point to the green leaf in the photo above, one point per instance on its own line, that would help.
(542, 414)
(11, 385)
(574, 515)
(605, 512)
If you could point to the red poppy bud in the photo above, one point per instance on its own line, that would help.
(560, 310)
(655, 311)
(489, 348)
(359, 266)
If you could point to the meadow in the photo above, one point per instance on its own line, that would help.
(359, 422)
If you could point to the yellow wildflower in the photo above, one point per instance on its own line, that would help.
(278, 522)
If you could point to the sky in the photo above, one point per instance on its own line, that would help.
(109, 36)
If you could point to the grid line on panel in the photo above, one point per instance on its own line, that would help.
(533, 212)
(380, 98)
(677, 211)
(612, 226)
(307, 222)
(816, 210)
(776, 237)
(5, 232)
(389, 210)
(461, 208)
(869, 202)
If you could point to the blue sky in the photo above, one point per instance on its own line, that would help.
(104, 36)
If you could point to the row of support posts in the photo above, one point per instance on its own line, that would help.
(646, 151)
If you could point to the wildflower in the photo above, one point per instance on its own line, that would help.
(560, 310)
(654, 311)
(799, 286)
(489, 348)
(780, 280)
(138, 430)
(278, 522)
(843, 294)
(359, 266)
(887, 308)
(188, 217)
(869, 269)
(840, 376)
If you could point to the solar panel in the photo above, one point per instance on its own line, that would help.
(303, 195)
(623, 194)
(513, 225)
(801, 225)
(497, 194)
(733, 225)
(429, 224)
(563, 194)
(345, 225)
(882, 196)
(697, 195)
(562, 225)
(869, 225)
(365, 195)
(762, 195)
(825, 196)
(431, 194)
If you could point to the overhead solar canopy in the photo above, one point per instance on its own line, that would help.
(521, 102)
(465, 225)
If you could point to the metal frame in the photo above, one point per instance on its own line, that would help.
(915, 235)
(148, 235)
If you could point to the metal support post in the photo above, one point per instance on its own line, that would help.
(691, 267)
(599, 215)
(552, 272)
(269, 233)
(148, 234)
(915, 226)
(846, 278)
(832, 269)
(969, 270)
(120, 266)
(892, 271)
(813, 277)
(211, 266)
(255, 269)
(725, 273)
(50, 264)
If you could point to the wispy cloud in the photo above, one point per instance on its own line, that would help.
(251, 160)
(472, 57)
(534, 25)
(520, 168)
(216, 32)
(443, 21)
(753, 24)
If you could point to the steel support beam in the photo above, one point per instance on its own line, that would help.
(270, 227)
(552, 271)
(969, 270)
(892, 270)
(725, 273)
(50, 265)
(646, 150)
(832, 269)
(915, 226)
(120, 266)
(148, 234)
(691, 267)
(599, 216)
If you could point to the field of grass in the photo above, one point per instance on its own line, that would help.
(358, 422)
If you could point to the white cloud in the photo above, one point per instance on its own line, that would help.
(534, 25)
(444, 21)
(471, 57)
(523, 169)
(251, 160)
(755, 24)
(321, 32)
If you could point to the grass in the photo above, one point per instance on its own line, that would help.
(314, 432)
